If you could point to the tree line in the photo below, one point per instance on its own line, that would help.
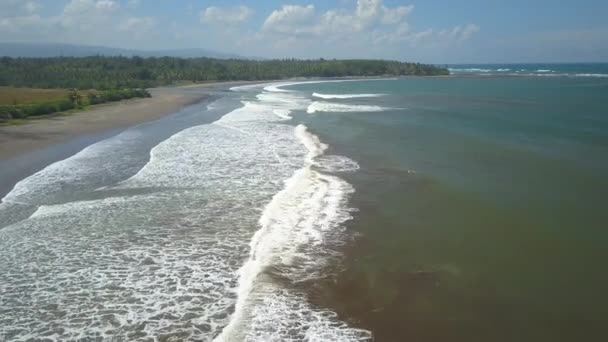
(74, 100)
(104, 73)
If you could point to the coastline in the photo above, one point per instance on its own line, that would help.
(36, 134)
(28, 148)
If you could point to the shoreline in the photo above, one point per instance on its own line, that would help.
(35, 134)
(28, 148)
(39, 133)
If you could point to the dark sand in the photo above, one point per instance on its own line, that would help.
(40, 133)
(28, 148)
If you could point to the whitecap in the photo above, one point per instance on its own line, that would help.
(333, 164)
(296, 228)
(591, 75)
(319, 106)
(345, 96)
(167, 261)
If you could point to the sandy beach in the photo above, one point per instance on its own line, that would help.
(26, 149)
(40, 133)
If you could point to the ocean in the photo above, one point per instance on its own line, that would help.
(461, 208)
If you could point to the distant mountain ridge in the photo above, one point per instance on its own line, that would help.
(71, 50)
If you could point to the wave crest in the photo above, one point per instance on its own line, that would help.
(297, 229)
(345, 96)
(319, 106)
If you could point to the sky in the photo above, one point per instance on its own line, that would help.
(429, 31)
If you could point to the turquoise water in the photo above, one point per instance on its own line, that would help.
(481, 206)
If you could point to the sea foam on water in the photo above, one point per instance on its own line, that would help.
(188, 247)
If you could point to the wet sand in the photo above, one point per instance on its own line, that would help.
(26, 149)
(40, 133)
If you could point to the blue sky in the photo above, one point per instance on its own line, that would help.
(429, 31)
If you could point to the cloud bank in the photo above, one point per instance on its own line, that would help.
(226, 15)
(361, 29)
(369, 26)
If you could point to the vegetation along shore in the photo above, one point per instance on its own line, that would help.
(17, 104)
(85, 81)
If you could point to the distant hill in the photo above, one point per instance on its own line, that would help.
(69, 50)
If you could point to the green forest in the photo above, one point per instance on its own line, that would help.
(105, 73)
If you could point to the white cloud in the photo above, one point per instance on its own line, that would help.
(290, 19)
(104, 22)
(107, 5)
(362, 28)
(89, 15)
(368, 9)
(459, 33)
(31, 6)
(391, 16)
(12, 8)
(23, 24)
(370, 21)
(226, 15)
(468, 31)
(90, 8)
(137, 25)
(296, 19)
(418, 36)
(366, 14)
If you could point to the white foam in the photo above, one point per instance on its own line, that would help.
(162, 253)
(470, 70)
(116, 261)
(345, 96)
(549, 74)
(275, 87)
(248, 87)
(529, 73)
(303, 323)
(591, 75)
(312, 143)
(333, 164)
(90, 165)
(283, 113)
(320, 106)
(295, 229)
(210, 182)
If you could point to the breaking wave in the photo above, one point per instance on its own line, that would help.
(319, 106)
(161, 253)
(298, 229)
(344, 96)
(523, 72)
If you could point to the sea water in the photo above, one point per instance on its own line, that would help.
(203, 239)
(481, 204)
(451, 208)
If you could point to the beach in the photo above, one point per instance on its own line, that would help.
(27, 148)
(39, 133)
